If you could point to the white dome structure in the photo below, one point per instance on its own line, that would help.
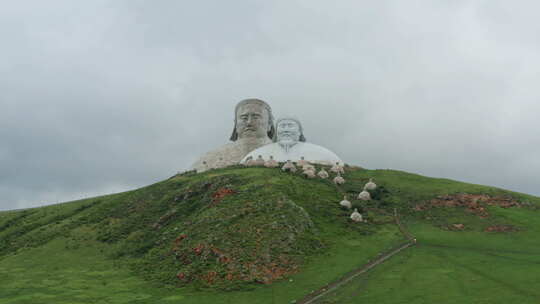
(337, 168)
(271, 163)
(289, 166)
(323, 174)
(308, 166)
(370, 185)
(364, 195)
(309, 173)
(356, 216)
(338, 180)
(345, 203)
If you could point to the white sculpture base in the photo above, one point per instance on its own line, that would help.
(313, 153)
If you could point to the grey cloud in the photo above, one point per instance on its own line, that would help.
(106, 96)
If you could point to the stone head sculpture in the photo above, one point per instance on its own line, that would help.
(288, 132)
(253, 119)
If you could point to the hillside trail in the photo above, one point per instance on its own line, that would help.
(315, 295)
(411, 241)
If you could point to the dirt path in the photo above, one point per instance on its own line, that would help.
(317, 294)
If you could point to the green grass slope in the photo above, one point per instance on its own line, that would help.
(257, 235)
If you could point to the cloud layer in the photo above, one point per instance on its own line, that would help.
(105, 96)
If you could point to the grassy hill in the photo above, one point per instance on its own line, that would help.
(257, 235)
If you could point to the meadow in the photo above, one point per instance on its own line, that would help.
(121, 248)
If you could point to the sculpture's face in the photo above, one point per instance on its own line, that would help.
(252, 121)
(288, 132)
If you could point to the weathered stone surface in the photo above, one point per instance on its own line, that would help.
(271, 163)
(253, 128)
(302, 162)
(259, 161)
(250, 162)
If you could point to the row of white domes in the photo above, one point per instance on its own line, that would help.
(364, 196)
(309, 171)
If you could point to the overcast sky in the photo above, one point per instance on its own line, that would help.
(104, 96)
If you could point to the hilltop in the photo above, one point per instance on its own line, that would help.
(238, 234)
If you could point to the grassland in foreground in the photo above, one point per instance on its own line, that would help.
(63, 253)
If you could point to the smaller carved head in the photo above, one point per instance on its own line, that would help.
(289, 131)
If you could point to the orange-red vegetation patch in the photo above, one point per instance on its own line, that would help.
(210, 277)
(274, 272)
(220, 194)
(501, 228)
(473, 203)
(260, 269)
(458, 226)
(178, 240)
(198, 249)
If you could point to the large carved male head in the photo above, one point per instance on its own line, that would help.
(253, 119)
(289, 132)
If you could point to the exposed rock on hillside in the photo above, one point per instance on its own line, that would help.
(243, 242)
(473, 203)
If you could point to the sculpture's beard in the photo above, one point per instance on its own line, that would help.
(287, 142)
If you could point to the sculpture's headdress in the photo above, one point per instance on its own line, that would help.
(302, 137)
(270, 133)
